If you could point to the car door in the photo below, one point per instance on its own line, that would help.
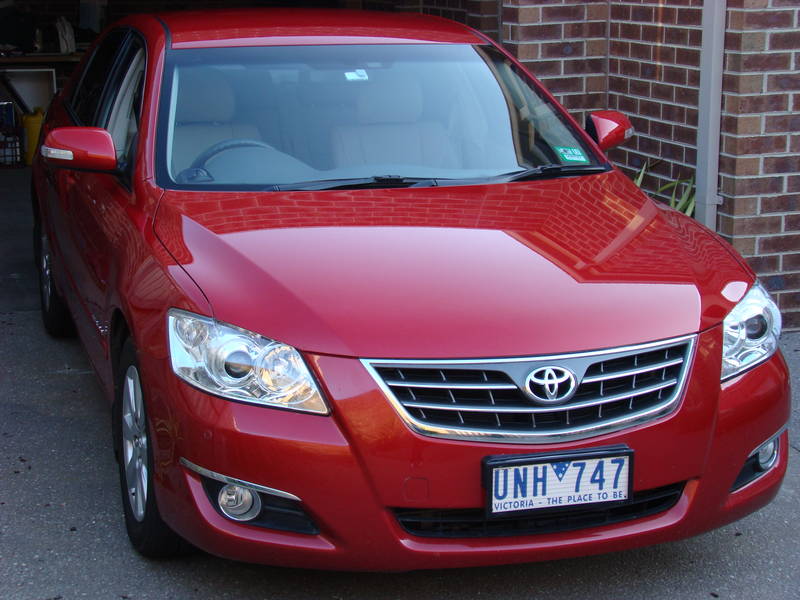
(98, 213)
(67, 187)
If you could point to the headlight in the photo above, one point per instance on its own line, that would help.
(750, 332)
(240, 365)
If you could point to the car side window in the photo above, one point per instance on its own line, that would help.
(89, 91)
(125, 104)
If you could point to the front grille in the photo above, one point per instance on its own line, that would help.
(465, 523)
(488, 399)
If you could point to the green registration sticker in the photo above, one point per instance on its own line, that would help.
(571, 155)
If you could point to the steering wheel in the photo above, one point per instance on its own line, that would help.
(214, 149)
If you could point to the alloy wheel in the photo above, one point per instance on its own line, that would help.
(134, 443)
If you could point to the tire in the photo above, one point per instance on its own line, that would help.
(148, 533)
(55, 314)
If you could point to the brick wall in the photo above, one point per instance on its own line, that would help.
(640, 57)
(565, 44)
(483, 15)
(760, 156)
(654, 77)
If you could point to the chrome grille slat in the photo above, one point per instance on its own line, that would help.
(486, 399)
(630, 372)
(542, 409)
(441, 385)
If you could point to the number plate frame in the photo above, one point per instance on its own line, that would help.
(489, 463)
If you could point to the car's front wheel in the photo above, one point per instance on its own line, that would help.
(147, 531)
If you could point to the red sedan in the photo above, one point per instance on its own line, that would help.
(362, 295)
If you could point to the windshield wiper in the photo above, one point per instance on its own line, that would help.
(376, 181)
(550, 170)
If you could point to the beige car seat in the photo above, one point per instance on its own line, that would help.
(206, 114)
(390, 131)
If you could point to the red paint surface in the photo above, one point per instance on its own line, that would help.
(499, 270)
(92, 148)
(288, 27)
(612, 128)
(476, 271)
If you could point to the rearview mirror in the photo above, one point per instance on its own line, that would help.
(609, 128)
(86, 148)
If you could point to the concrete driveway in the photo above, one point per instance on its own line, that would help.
(62, 534)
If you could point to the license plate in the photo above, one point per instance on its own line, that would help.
(551, 481)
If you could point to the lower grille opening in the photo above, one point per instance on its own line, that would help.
(472, 522)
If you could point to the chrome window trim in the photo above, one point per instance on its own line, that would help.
(532, 437)
(225, 479)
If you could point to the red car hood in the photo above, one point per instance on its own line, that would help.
(475, 271)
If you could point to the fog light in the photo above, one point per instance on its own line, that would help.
(238, 502)
(767, 454)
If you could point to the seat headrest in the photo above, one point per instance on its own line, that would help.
(397, 101)
(205, 96)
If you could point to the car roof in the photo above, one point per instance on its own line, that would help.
(285, 27)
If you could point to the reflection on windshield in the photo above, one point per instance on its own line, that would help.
(275, 116)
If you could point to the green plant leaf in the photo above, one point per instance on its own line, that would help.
(683, 192)
(640, 175)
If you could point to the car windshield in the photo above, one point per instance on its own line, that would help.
(317, 117)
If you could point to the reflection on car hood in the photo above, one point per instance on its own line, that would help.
(495, 270)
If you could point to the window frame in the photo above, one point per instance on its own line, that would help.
(133, 44)
(70, 102)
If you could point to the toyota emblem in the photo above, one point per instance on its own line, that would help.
(551, 385)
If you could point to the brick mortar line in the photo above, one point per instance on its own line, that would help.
(763, 74)
(764, 51)
(561, 41)
(660, 100)
(772, 113)
(764, 133)
(538, 23)
(580, 4)
(760, 73)
(659, 119)
(648, 155)
(780, 214)
(761, 176)
(677, 66)
(655, 44)
(657, 24)
(768, 30)
(518, 6)
(639, 3)
(667, 102)
(760, 156)
(769, 236)
(752, 11)
(726, 113)
(658, 175)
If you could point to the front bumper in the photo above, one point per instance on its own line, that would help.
(351, 469)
